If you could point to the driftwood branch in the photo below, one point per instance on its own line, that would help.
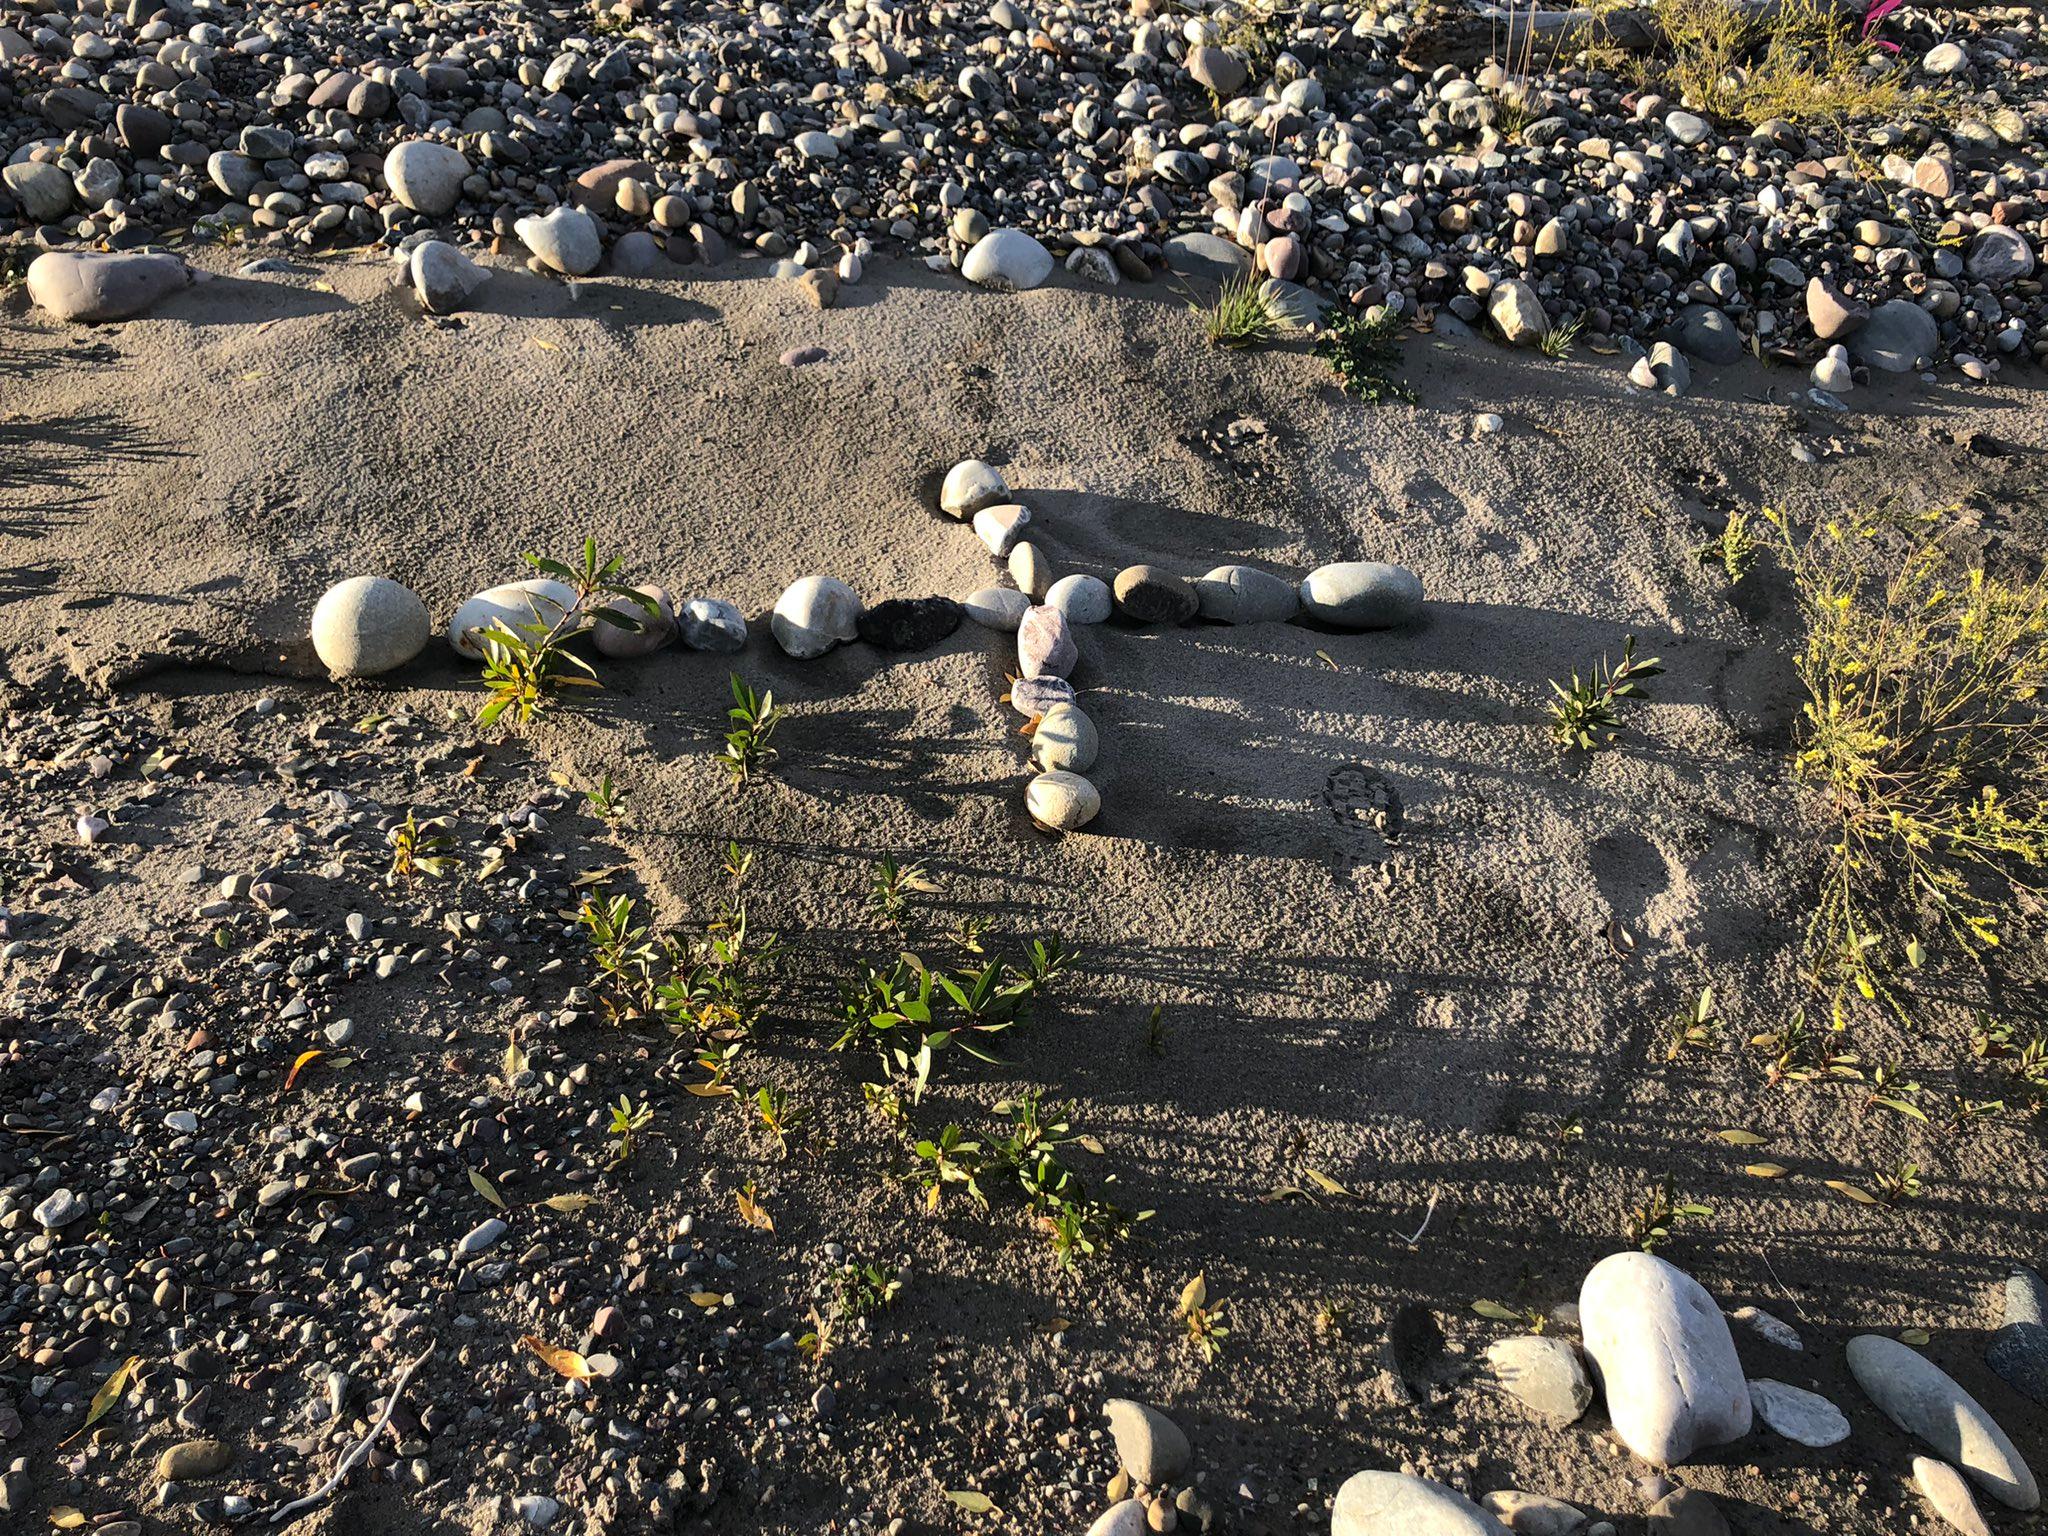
(1516, 34)
(359, 1450)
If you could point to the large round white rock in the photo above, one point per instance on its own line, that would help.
(815, 614)
(1665, 1357)
(514, 604)
(426, 177)
(89, 287)
(1082, 598)
(1924, 1400)
(1064, 740)
(1395, 1504)
(997, 607)
(1061, 802)
(367, 625)
(970, 486)
(652, 632)
(1007, 259)
(567, 240)
(1362, 594)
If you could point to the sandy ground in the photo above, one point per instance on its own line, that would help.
(1410, 1018)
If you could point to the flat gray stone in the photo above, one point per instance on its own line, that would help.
(1394, 1504)
(89, 288)
(1149, 1445)
(1545, 1374)
(1798, 1415)
(1244, 594)
(1898, 337)
(1924, 1400)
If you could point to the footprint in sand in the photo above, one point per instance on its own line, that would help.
(1366, 808)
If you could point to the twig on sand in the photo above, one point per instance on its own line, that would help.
(360, 1448)
(1427, 1217)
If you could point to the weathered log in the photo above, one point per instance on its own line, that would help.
(1515, 34)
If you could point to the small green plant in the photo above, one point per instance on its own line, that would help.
(1735, 549)
(862, 1290)
(1202, 1319)
(1557, 342)
(747, 745)
(1360, 346)
(1587, 715)
(1697, 1028)
(1958, 1116)
(1888, 1089)
(780, 1118)
(607, 802)
(419, 848)
(1899, 1183)
(629, 1123)
(621, 954)
(526, 665)
(969, 930)
(1801, 61)
(1648, 1226)
(949, 1158)
(890, 889)
(1566, 1130)
(1241, 316)
(1800, 1053)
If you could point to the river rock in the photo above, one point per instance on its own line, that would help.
(971, 485)
(443, 277)
(1205, 256)
(1062, 802)
(90, 288)
(1125, 1518)
(1001, 526)
(1667, 1363)
(1149, 594)
(1947, 1490)
(998, 608)
(910, 623)
(1007, 259)
(1363, 594)
(1545, 1374)
(1687, 1512)
(1083, 599)
(426, 177)
(1517, 313)
(190, 1460)
(1032, 697)
(1149, 1445)
(712, 624)
(1832, 313)
(1395, 1504)
(1898, 337)
(368, 625)
(815, 614)
(1999, 255)
(566, 240)
(2018, 1352)
(1798, 1415)
(1030, 570)
(1924, 1400)
(511, 606)
(1533, 1514)
(1244, 594)
(60, 1207)
(1064, 741)
(1222, 72)
(1045, 646)
(43, 191)
(655, 629)
(1772, 1330)
(1702, 331)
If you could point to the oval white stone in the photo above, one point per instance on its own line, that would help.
(815, 614)
(1394, 1504)
(367, 625)
(1065, 740)
(1666, 1360)
(1062, 802)
(515, 603)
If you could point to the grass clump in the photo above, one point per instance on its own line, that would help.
(1924, 734)
(1360, 346)
(1587, 715)
(1241, 315)
(1558, 341)
(1801, 61)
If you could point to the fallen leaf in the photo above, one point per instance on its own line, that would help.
(1915, 1337)
(1089, 1144)
(484, 1187)
(1765, 1170)
(569, 1205)
(1496, 1311)
(306, 1059)
(109, 1394)
(563, 1362)
(514, 1061)
(1844, 1187)
(974, 1503)
(65, 1518)
(1325, 1183)
(1055, 1325)
(1742, 1138)
(710, 1090)
(1194, 1294)
(547, 346)
(707, 1298)
(1333, 665)
(751, 1212)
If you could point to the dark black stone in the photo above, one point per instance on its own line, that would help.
(910, 623)
(1414, 1345)
(2019, 1353)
